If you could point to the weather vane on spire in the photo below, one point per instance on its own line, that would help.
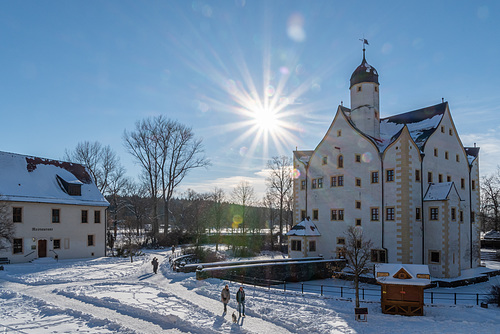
(365, 42)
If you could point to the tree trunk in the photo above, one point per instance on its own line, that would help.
(356, 286)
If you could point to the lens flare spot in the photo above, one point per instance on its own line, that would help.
(270, 90)
(295, 173)
(231, 86)
(366, 157)
(316, 88)
(295, 27)
(237, 220)
(284, 70)
(243, 151)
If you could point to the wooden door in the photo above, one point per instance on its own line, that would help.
(42, 248)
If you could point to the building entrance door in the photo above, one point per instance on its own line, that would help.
(42, 248)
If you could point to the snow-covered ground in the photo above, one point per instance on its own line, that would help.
(112, 295)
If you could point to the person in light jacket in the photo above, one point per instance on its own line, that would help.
(225, 296)
(240, 298)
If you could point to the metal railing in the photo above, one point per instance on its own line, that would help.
(365, 294)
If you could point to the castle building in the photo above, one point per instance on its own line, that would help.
(407, 180)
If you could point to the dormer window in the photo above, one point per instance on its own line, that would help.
(73, 188)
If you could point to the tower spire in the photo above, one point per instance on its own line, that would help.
(365, 42)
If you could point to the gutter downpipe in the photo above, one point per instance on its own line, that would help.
(470, 212)
(382, 177)
(422, 215)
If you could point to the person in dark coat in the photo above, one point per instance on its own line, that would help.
(155, 264)
(240, 298)
(224, 297)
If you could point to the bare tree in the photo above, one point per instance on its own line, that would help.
(269, 202)
(358, 255)
(279, 182)
(243, 195)
(167, 151)
(490, 201)
(217, 213)
(101, 161)
(7, 228)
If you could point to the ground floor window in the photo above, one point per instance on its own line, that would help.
(296, 245)
(17, 246)
(90, 240)
(57, 243)
(312, 245)
(378, 255)
(434, 257)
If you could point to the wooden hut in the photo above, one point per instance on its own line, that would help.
(402, 287)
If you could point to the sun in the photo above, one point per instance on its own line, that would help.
(266, 119)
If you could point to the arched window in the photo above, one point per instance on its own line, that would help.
(340, 163)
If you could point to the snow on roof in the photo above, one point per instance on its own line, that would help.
(419, 273)
(421, 124)
(304, 228)
(438, 191)
(472, 153)
(492, 235)
(32, 179)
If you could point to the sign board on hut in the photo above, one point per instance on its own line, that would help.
(402, 287)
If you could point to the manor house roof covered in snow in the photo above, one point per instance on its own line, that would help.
(32, 179)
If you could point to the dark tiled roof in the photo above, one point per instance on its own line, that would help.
(472, 151)
(418, 115)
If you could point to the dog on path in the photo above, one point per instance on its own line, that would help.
(235, 320)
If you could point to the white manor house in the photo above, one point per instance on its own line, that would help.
(407, 180)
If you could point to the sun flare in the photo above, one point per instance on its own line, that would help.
(266, 119)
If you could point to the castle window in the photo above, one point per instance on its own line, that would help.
(446, 155)
(302, 215)
(462, 183)
(434, 257)
(357, 157)
(333, 181)
(461, 214)
(17, 215)
(358, 182)
(325, 160)
(473, 216)
(442, 128)
(375, 177)
(473, 184)
(376, 88)
(358, 222)
(458, 158)
(358, 204)
(450, 132)
(448, 178)
(417, 175)
(56, 243)
(418, 215)
(434, 214)
(340, 161)
(359, 88)
(429, 177)
(340, 241)
(312, 246)
(340, 180)
(339, 133)
(453, 214)
(341, 214)
(374, 214)
(435, 152)
(440, 178)
(315, 214)
(90, 240)
(333, 214)
(296, 245)
(302, 184)
(314, 184)
(389, 214)
(389, 175)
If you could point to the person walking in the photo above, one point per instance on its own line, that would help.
(155, 264)
(224, 297)
(240, 298)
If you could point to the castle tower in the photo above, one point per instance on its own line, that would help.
(365, 99)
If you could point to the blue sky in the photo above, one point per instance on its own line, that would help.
(76, 70)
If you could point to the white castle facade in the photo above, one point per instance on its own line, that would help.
(407, 180)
